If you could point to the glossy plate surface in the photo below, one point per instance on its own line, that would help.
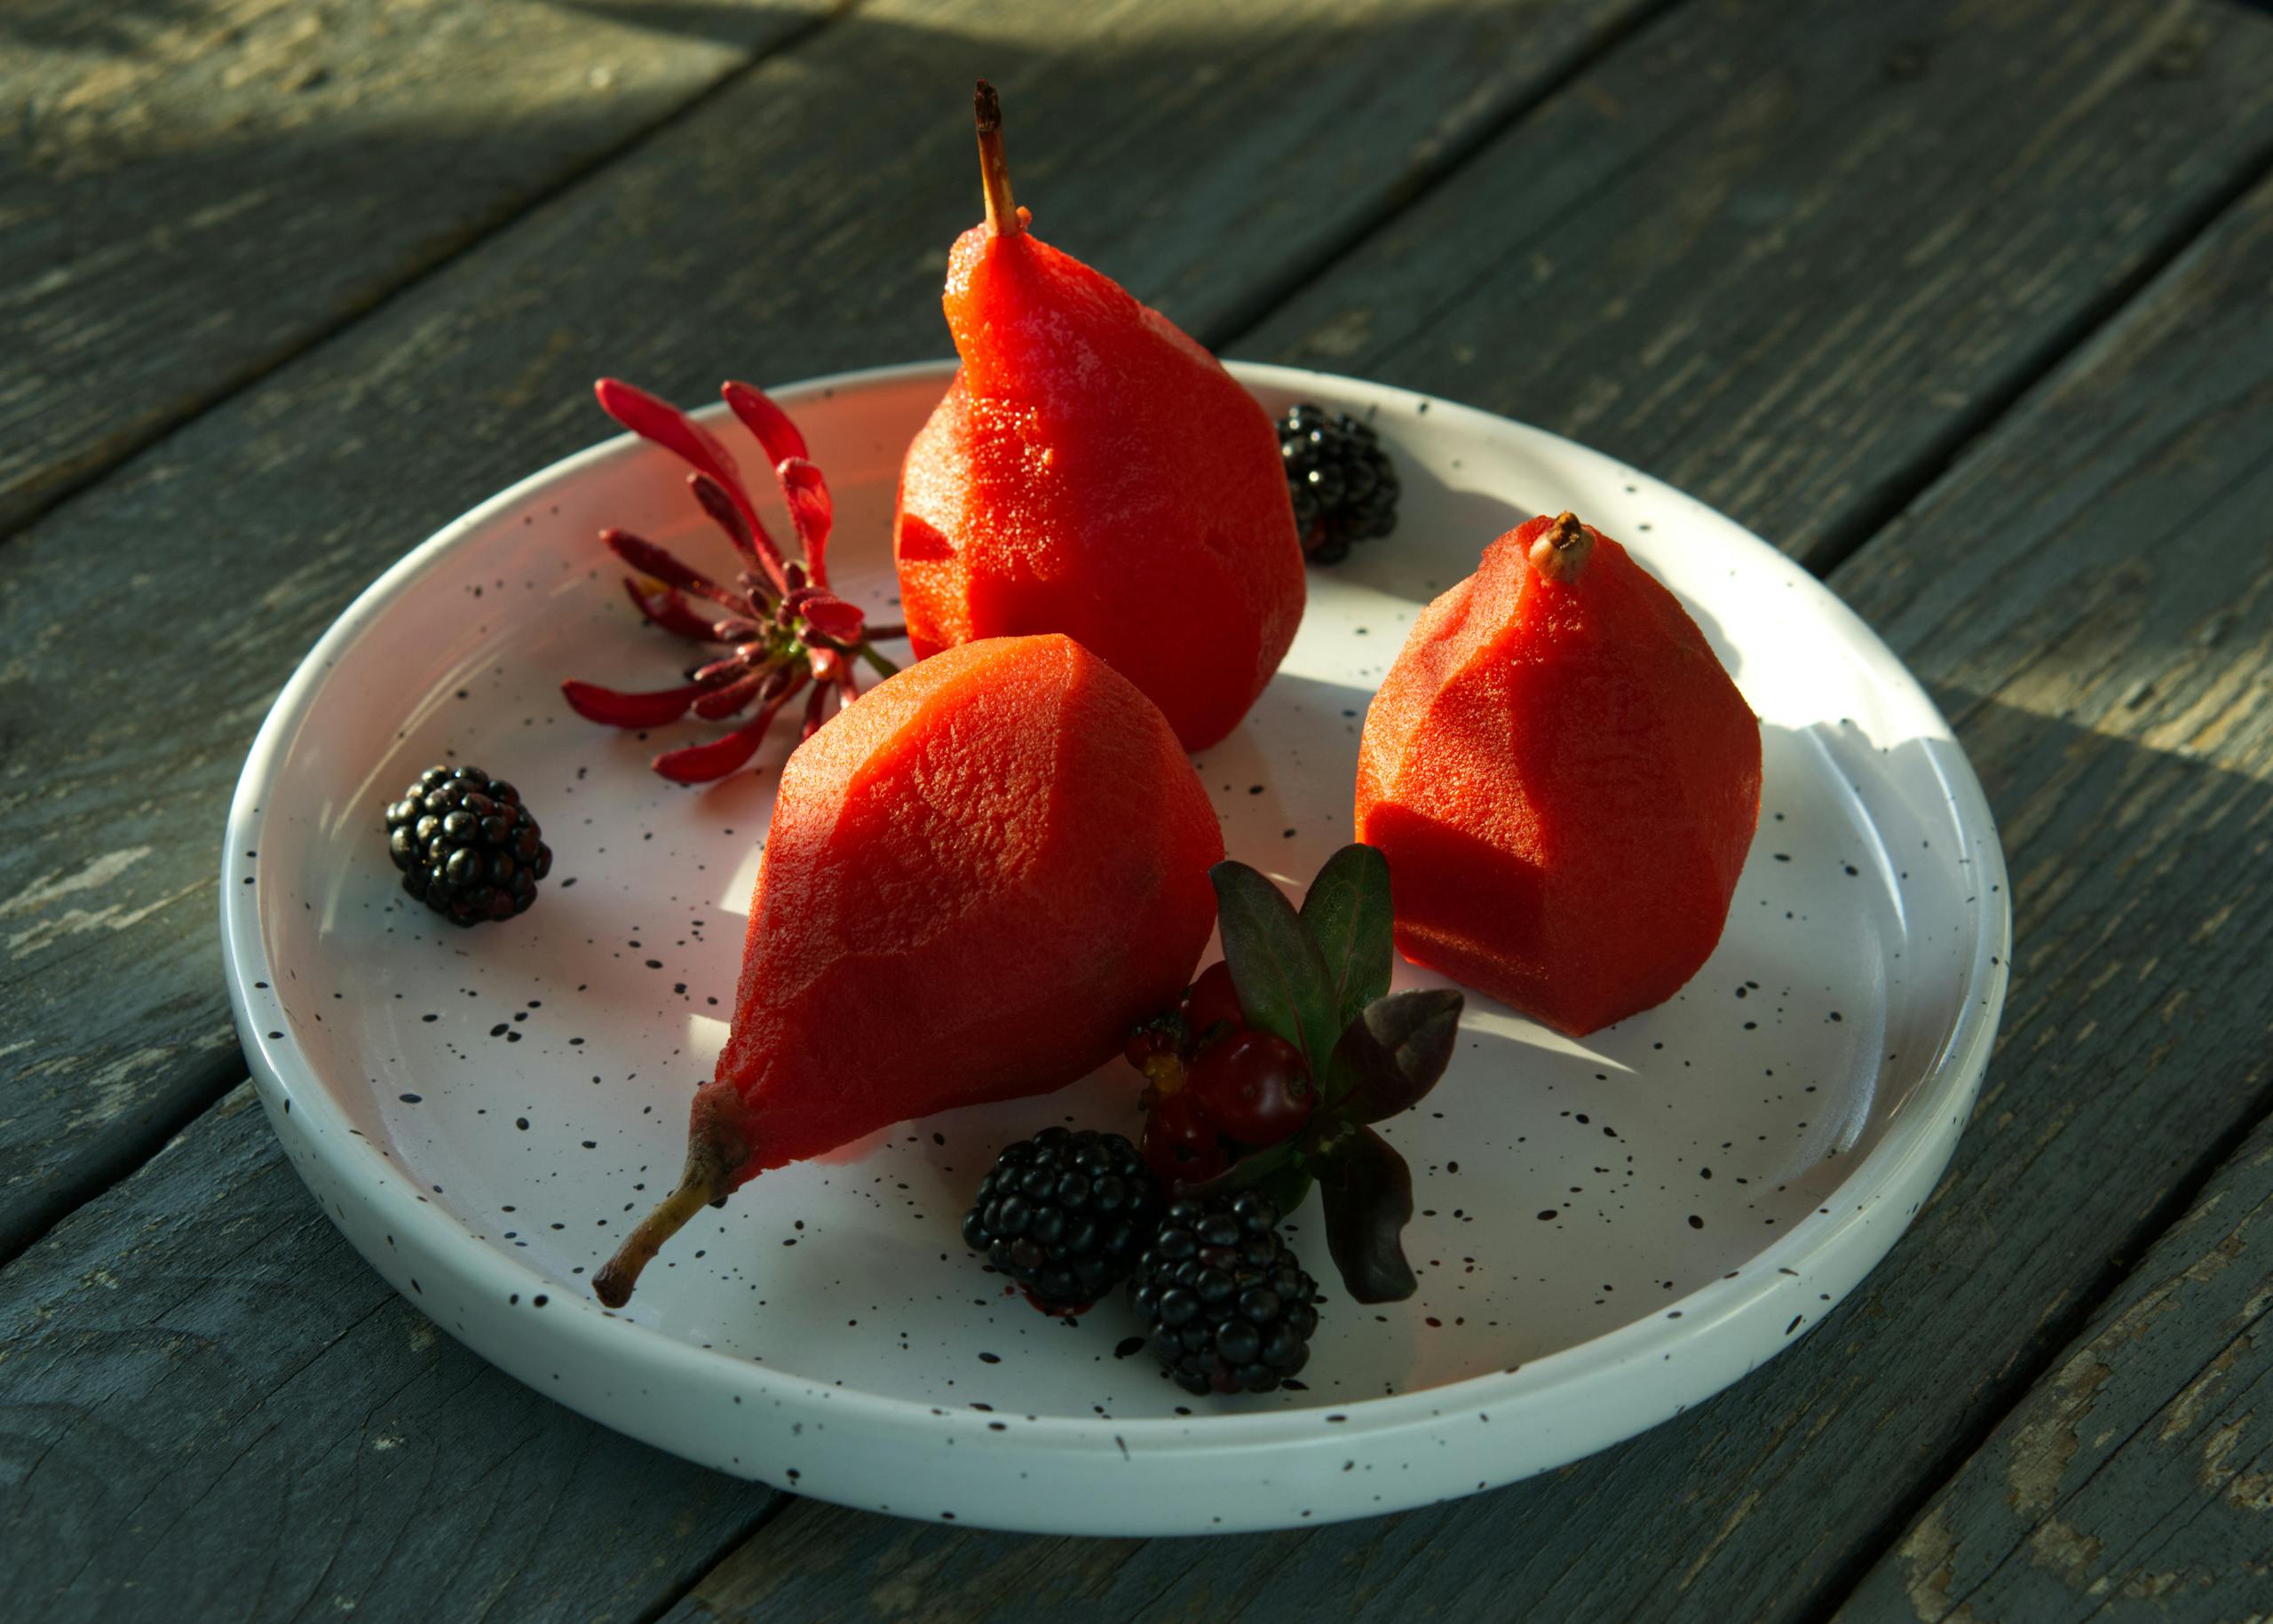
(1609, 1232)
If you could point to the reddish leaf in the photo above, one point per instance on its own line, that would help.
(595, 703)
(771, 426)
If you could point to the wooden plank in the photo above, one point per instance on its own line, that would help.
(209, 1407)
(795, 223)
(2090, 592)
(190, 192)
(2135, 1480)
(1790, 258)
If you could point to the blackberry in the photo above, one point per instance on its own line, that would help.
(1065, 1214)
(1342, 480)
(467, 847)
(1229, 1307)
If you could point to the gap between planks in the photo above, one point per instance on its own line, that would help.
(1851, 535)
(321, 332)
(2056, 1338)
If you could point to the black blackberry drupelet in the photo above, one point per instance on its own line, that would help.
(1340, 476)
(1065, 1214)
(467, 847)
(1229, 1307)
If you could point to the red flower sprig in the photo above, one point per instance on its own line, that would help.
(783, 631)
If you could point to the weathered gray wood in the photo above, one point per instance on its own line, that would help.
(210, 1408)
(2135, 1480)
(1789, 257)
(188, 191)
(795, 223)
(2090, 592)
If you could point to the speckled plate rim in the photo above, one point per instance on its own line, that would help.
(1574, 1401)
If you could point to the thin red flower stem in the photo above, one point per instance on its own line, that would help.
(701, 763)
(672, 611)
(817, 709)
(746, 531)
(649, 559)
(721, 702)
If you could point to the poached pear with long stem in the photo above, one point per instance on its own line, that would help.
(1092, 471)
(954, 905)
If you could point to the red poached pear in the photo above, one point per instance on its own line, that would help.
(1092, 471)
(977, 880)
(1563, 780)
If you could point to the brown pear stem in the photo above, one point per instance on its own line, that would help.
(714, 1153)
(1561, 550)
(994, 168)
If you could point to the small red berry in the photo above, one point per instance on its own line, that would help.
(1181, 1146)
(1255, 1087)
(1211, 1001)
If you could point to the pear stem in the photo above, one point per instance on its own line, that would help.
(1561, 550)
(713, 1155)
(1002, 216)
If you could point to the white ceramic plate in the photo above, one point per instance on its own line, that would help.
(1608, 1231)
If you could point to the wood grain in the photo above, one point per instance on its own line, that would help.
(1789, 257)
(2135, 1480)
(210, 1407)
(771, 233)
(190, 191)
(2090, 592)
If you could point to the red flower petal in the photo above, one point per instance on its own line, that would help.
(817, 706)
(745, 529)
(721, 702)
(672, 613)
(701, 763)
(595, 703)
(771, 426)
(810, 511)
(649, 559)
(651, 417)
(832, 617)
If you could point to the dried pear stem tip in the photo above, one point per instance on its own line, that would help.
(1562, 549)
(1002, 214)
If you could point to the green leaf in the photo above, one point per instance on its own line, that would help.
(1247, 1173)
(1276, 967)
(1392, 1055)
(1288, 1188)
(1368, 1193)
(1347, 914)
